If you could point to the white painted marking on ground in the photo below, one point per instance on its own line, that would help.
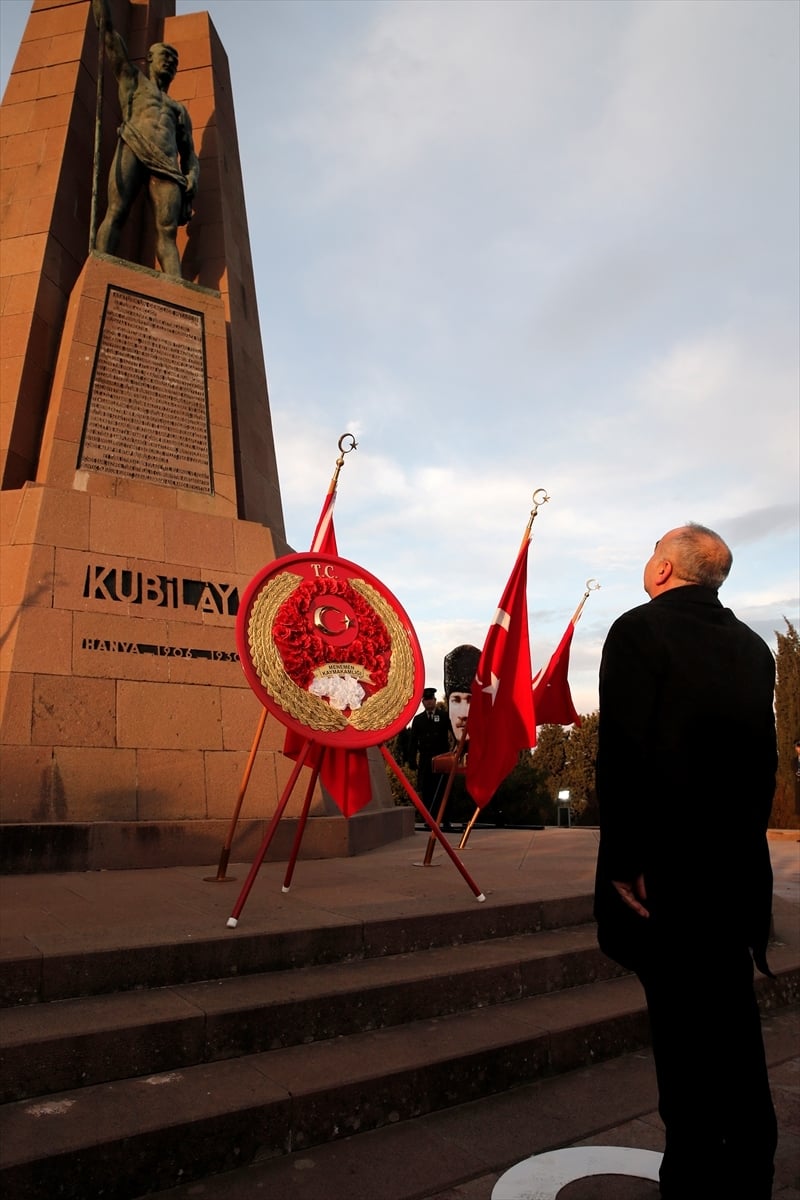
(542, 1176)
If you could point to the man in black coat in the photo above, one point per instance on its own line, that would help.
(429, 735)
(685, 780)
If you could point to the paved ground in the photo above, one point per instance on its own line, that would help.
(115, 909)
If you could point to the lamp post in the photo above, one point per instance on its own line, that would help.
(564, 814)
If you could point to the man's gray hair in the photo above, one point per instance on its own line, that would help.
(701, 556)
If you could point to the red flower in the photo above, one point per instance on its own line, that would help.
(303, 648)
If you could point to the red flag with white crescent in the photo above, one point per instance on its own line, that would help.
(324, 539)
(552, 699)
(344, 772)
(501, 720)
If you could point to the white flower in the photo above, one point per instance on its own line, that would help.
(341, 691)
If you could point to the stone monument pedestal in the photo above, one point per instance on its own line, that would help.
(126, 718)
(139, 488)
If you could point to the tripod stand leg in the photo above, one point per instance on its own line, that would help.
(233, 919)
(298, 837)
(225, 853)
(432, 825)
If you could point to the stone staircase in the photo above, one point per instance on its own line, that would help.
(126, 1073)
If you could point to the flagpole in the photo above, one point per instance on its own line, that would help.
(468, 830)
(539, 497)
(225, 853)
(323, 538)
(220, 876)
(591, 586)
(340, 460)
(542, 492)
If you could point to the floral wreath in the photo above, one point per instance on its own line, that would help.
(310, 677)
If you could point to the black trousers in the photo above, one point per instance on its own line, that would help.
(713, 1086)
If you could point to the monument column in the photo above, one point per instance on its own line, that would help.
(140, 491)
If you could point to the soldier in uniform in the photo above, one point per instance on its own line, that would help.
(429, 735)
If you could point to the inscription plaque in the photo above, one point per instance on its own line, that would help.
(147, 415)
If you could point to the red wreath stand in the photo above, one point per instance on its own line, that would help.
(330, 652)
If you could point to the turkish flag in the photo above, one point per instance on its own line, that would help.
(552, 699)
(324, 539)
(344, 772)
(501, 720)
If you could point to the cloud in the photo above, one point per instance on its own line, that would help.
(517, 245)
(763, 523)
(675, 114)
(427, 87)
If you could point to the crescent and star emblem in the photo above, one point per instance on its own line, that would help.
(305, 648)
(321, 613)
(336, 620)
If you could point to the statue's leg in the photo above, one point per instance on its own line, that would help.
(166, 197)
(124, 181)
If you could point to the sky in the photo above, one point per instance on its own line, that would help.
(524, 244)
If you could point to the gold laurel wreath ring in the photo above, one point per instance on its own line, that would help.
(309, 710)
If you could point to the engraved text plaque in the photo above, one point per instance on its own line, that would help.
(147, 416)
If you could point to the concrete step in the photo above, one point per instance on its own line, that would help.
(148, 1047)
(132, 1136)
(459, 1153)
(73, 1043)
(127, 1136)
(66, 965)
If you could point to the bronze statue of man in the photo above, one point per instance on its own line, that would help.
(154, 146)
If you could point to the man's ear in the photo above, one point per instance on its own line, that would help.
(663, 571)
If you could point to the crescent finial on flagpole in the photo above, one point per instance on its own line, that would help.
(539, 498)
(591, 586)
(343, 449)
